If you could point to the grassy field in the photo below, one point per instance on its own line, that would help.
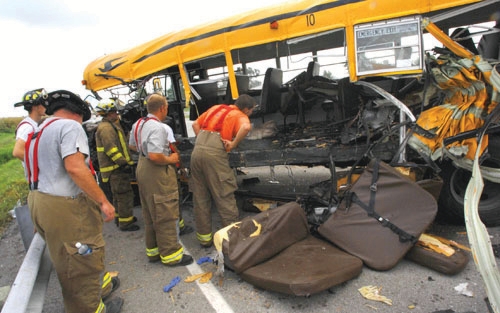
(13, 186)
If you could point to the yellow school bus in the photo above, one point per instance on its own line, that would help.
(334, 80)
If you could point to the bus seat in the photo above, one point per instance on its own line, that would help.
(270, 98)
(468, 43)
(207, 89)
(242, 83)
(312, 70)
(489, 45)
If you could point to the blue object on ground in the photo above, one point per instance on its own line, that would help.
(172, 284)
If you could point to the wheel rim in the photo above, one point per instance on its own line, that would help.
(490, 196)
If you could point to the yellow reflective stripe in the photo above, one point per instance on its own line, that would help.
(106, 280)
(172, 258)
(152, 252)
(126, 219)
(117, 156)
(100, 149)
(100, 308)
(204, 238)
(109, 168)
(112, 151)
(181, 223)
(124, 147)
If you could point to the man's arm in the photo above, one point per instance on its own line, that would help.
(196, 128)
(18, 151)
(161, 159)
(240, 135)
(83, 178)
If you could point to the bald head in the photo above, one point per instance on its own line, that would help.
(155, 102)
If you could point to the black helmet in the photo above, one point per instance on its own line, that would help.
(68, 100)
(34, 97)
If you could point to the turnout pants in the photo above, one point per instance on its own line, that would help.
(123, 197)
(63, 221)
(159, 195)
(212, 179)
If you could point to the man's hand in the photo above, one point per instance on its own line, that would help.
(174, 158)
(228, 145)
(109, 211)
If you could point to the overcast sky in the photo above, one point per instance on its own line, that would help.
(48, 43)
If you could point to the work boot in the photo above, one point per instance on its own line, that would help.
(207, 245)
(186, 260)
(154, 259)
(115, 283)
(129, 227)
(186, 230)
(114, 305)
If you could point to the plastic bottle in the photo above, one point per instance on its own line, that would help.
(83, 248)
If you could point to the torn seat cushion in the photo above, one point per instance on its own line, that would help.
(449, 265)
(307, 267)
(259, 237)
(400, 203)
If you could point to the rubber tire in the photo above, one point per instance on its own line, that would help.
(451, 198)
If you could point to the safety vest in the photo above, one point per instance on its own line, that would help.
(108, 160)
(31, 162)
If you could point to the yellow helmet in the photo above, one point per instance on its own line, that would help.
(33, 97)
(106, 105)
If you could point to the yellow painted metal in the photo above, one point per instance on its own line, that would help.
(250, 29)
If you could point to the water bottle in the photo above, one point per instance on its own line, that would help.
(83, 248)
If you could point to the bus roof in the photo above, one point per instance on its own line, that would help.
(264, 25)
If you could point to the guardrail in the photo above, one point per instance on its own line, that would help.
(27, 293)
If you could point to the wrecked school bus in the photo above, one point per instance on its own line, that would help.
(408, 83)
(370, 86)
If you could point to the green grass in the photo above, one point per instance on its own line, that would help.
(13, 186)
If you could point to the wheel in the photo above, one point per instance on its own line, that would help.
(451, 199)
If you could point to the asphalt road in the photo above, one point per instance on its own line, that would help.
(411, 287)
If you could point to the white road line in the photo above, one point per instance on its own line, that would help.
(211, 293)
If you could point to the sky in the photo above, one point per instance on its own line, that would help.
(48, 43)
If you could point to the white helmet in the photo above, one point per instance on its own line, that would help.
(106, 105)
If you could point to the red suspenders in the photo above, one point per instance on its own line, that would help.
(33, 180)
(24, 122)
(220, 121)
(138, 132)
(33, 177)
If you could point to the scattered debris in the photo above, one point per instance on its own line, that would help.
(130, 289)
(204, 278)
(172, 284)
(373, 293)
(464, 290)
(204, 259)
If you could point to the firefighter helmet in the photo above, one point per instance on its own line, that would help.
(66, 99)
(106, 105)
(33, 97)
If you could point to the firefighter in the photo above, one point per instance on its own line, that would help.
(115, 163)
(158, 188)
(218, 131)
(66, 205)
(33, 102)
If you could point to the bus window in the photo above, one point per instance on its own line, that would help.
(333, 63)
(256, 71)
(388, 46)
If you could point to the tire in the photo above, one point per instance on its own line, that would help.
(451, 199)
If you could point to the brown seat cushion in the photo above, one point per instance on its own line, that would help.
(307, 267)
